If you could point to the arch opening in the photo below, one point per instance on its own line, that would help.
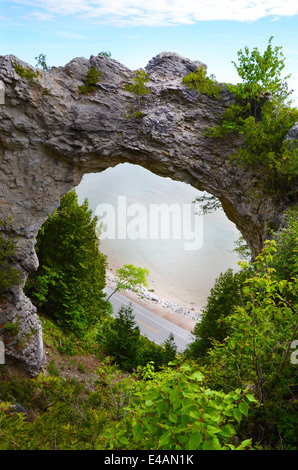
(153, 222)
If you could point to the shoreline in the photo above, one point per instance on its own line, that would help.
(160, 305)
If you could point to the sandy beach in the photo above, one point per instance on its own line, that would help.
(159, 304)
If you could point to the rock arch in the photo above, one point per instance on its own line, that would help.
(50, 136)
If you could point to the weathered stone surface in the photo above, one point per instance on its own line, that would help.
(50, 136)
(293, 133)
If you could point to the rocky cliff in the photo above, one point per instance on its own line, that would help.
(51, 135)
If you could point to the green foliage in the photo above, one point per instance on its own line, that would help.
(25, 72)
(223, 298)
(208, 203)
(266, 150)
(242, 249)
(247, 335)
(12, 328)
(199, 81)
(122, 339)
(91, 81)
(8, 275)
(130, 277)
(182, 406)
(266, 324)
(284, 260)
(261, 114)
(176, 412)
(257, 348)
(262, 73)
(170, 349)
(67, 420)
(157, 355)
(105, 54)
(68, 285)
(41, 60)
(139, 89)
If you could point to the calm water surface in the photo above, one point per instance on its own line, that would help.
(183, 276)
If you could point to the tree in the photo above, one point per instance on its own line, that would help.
(130, 277)
(41, 60)
(139, 89)
(91, 80)
(224, 297)
(122, 338)
(69, 282)
(170, 349)
(262, 115)
(262, 73)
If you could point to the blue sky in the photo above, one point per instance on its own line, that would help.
(211, 31)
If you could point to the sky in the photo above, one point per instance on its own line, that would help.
(134, 31)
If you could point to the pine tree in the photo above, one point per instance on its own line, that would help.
(68, 285)
(123, 338)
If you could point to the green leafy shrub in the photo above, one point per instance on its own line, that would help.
(262, 73)
(175, 411)
(64, 418)
(199, 81)
(263, 116)
(91, 81)
(265, 148)
(158, 355)
(25, 72)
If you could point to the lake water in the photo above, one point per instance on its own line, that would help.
(183, 262)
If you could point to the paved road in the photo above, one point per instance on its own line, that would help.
(153, 326)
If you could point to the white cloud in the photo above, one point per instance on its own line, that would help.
(40, 16)
(163, 12)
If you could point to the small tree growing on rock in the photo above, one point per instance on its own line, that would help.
(139, 89)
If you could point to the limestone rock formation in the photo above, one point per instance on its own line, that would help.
(51, 135)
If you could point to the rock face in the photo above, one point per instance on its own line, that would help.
(50, 136)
